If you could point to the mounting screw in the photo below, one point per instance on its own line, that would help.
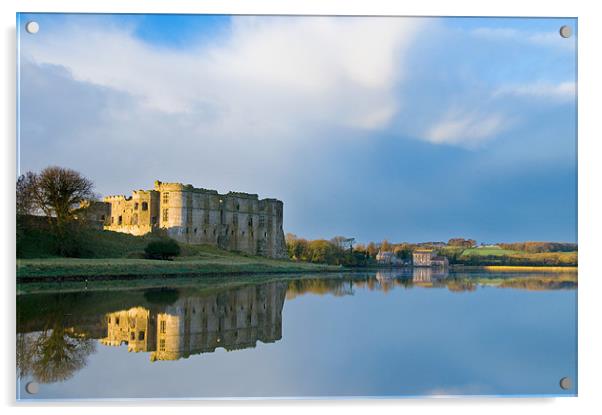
(32, 27)
(565, 383)
(32, 388)
(566, 31)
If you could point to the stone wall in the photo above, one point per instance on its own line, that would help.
(234, 221)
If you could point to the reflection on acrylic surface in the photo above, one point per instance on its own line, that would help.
(421, 331)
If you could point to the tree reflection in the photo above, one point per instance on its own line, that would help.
(53, 355)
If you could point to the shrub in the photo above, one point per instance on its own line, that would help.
(162, 249)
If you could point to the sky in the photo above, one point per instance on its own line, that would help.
(405, 129)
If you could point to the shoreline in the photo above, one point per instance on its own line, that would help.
(527, 268)
(74, 269)
(185, 273)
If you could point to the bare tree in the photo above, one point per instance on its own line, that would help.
(25, 194)
(57, 191)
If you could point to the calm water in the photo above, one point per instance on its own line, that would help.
(377, 334)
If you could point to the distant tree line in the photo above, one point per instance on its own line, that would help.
(521, 259)
(461, 242)
(334, 251)
(539, 247)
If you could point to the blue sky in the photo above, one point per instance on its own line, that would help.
(406, 129)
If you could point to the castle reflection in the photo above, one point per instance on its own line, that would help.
(234, 319)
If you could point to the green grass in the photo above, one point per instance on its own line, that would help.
(211, 264)
(489, 251)
(118, 254)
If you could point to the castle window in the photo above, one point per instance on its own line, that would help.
(136, 206)
(243, 233)
(165, 215)
(195, 231)
(262, 221)
(205, 231)
(237, 206)
(214, 232)
(166, 197)
(133, 336)
(120, 220)
(117, 320)
(112, 220)
(250, 221)
(141, 335)
(102, 217)
(162, 326)
(162, 345)
(144, 206)
(232, 233)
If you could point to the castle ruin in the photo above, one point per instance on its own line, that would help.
(233, 221)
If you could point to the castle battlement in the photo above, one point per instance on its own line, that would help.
(115, 197)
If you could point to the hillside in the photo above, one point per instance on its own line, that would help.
(106, 253)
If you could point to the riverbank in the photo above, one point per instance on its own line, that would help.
(519, 268)
(105, 268)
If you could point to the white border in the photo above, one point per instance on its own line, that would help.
(590, 207)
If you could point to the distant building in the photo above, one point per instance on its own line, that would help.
(425, 257)
(388, 258)
(439, 261)
(422, 257)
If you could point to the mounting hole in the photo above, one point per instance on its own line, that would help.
(566, 31)
(565, 383)
(32, 27)
(32, 388)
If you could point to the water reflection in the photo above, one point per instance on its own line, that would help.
(234, 319)
(54, 354)
(56, 333)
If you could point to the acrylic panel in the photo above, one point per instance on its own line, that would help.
(234, 206)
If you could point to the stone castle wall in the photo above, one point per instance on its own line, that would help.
(233, 221)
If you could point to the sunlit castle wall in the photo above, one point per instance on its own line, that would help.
(136, 215)
(234, 221)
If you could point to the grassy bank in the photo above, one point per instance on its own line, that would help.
(496, 256)
(116, 254)
(226, 264)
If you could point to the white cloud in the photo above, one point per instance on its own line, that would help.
(266, 75)
(466, 128)
(563, 91)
